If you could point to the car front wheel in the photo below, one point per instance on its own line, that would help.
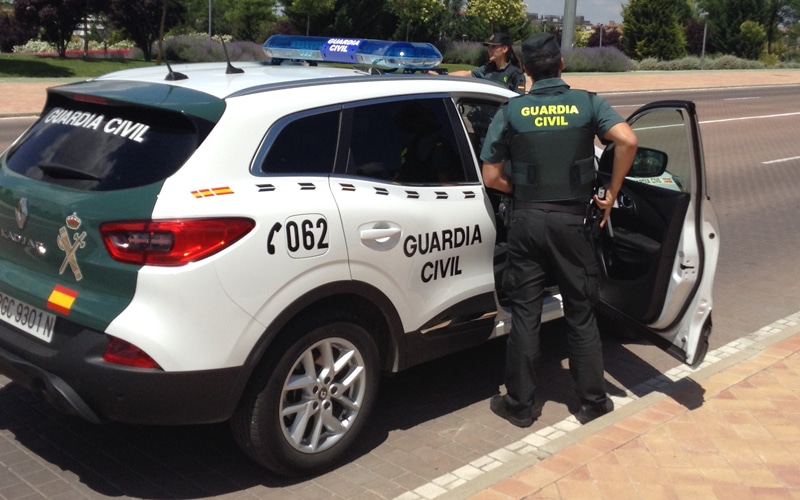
(309, 400)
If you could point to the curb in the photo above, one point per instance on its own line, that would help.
(728, 356)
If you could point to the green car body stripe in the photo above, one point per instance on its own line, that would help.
(104, 287)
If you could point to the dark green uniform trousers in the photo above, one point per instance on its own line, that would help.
(547, 243)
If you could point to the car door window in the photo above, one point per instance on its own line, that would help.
(663, 131)
(476, 117)
(407, 141)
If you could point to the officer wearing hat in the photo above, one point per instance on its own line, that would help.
(503, 66)
(548, 136)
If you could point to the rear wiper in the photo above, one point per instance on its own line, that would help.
(60, 171)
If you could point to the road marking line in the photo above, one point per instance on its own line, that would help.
(780, 160)
(782, 115)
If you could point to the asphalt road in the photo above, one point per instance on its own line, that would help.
(434, 418)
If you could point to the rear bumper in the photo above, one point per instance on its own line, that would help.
(75, 380)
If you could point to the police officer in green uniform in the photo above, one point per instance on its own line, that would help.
(548, 136)
(503, 66)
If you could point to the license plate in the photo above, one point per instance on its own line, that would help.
(27, 318)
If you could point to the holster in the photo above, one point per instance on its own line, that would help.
(505, 208)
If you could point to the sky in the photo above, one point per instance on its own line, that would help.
(594, 11)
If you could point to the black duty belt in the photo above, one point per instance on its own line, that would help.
(568, 207)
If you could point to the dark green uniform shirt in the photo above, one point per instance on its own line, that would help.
(548, 135)
(511, 77)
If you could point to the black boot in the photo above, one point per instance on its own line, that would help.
(587, 413)
(499, 407)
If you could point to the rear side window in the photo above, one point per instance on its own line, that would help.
(100, 147)
(302, 144)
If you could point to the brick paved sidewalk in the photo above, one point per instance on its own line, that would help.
(734, 434)
(26, 96)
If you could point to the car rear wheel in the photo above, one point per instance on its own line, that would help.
(309, 400)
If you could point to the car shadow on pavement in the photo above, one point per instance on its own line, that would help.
(204, 461)
(122, 460)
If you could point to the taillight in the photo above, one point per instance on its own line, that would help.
(171, 242)
(124, 353)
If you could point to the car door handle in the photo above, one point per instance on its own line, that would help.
(380, 235)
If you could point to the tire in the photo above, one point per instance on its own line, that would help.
(308, 401)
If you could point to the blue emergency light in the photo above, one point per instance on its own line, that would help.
(380, 53)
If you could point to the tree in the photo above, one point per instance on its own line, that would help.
(453, 10)
(501, 14)
(417, 13)
(248, 20)
(142, 20)
(470, 28)
(652, 30)
(753, 36)
(362, 18)
(311, 8)
(12, 32)
(56, 19)
(359, 18)
(612, 37)
(725, 18)
(196, 17)
(695, 30)
(779, 13)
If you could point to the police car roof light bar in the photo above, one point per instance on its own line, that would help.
(381, 53)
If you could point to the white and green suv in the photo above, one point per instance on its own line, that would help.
(259, 243)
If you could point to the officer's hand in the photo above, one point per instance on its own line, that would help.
(605, 205)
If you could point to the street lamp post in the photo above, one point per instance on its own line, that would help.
(703, 50)
(567, 32)
(601, 34)
(209, 18)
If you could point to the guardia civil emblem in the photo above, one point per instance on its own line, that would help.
(70, 245)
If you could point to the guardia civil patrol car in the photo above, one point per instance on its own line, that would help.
(258, 243)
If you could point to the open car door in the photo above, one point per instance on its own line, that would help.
(659, 252)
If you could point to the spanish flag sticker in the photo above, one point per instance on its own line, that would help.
(217, 191)
(61, 299)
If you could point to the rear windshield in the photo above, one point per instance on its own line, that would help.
(97, 146)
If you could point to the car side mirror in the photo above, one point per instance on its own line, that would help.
(648, 162)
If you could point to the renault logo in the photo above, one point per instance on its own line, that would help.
(21, 213)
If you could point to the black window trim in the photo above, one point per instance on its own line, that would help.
(462, 146)
(275, 130)
(464, 149)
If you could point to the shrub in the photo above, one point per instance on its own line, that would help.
(790, 56)
(732, 62)
(712, 62)
(596, 59)
(591, 59)
(34, 47)
(121, 48)
(472, 53)
(683, 64)
(199, 48)
(648, 64)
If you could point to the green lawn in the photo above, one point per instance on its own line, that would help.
(18, 66)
